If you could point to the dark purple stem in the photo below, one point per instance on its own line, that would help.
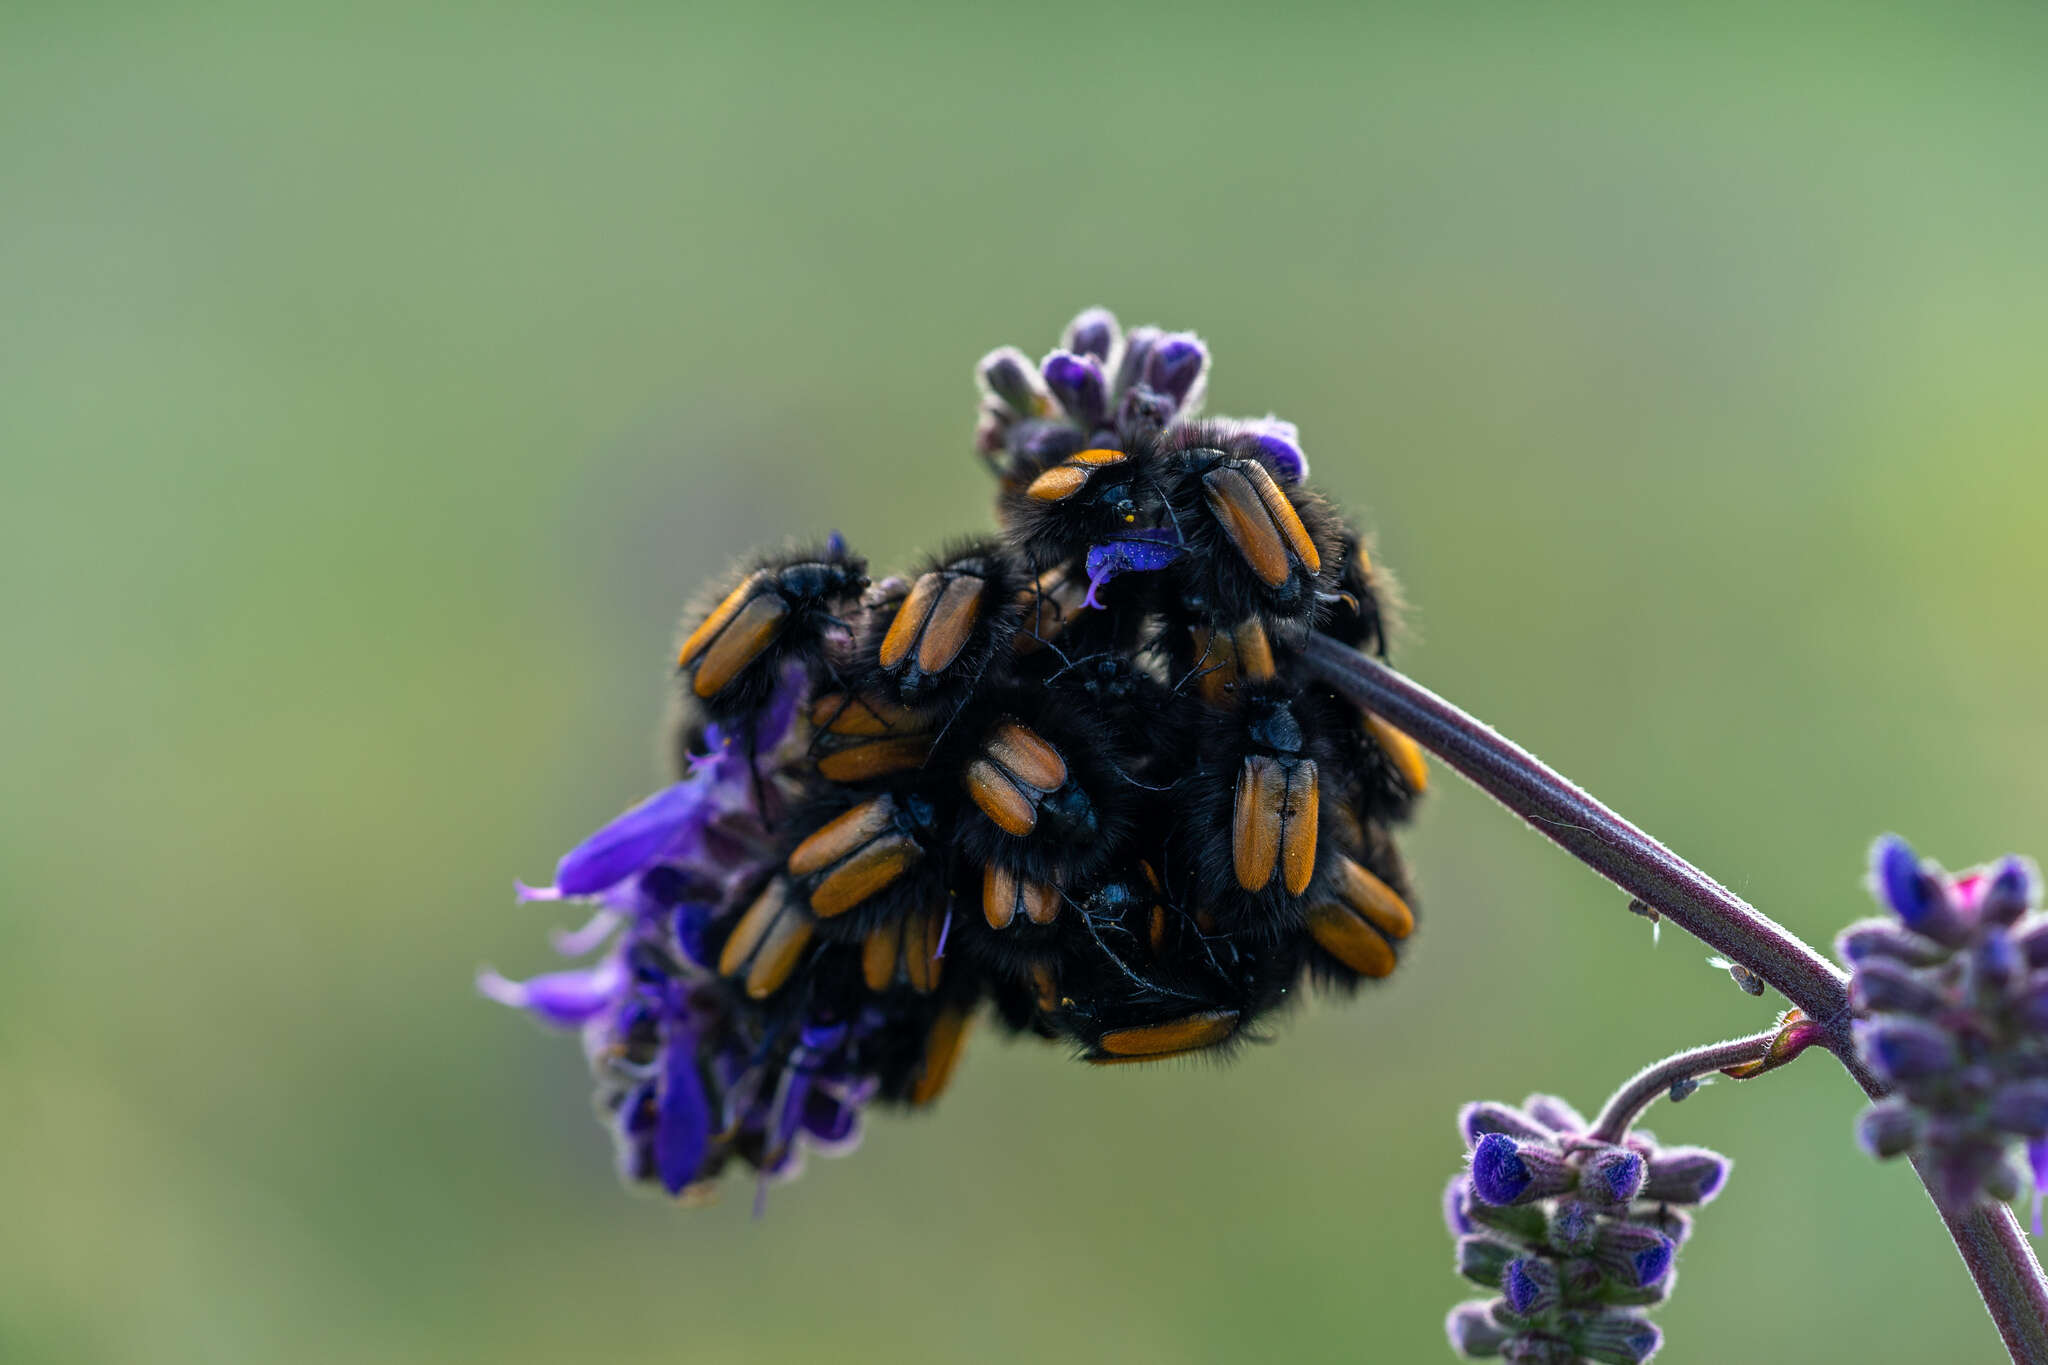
(1642, 1089)
(1999, 1257)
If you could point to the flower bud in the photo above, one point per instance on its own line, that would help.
(1905, 1049)
(1634, 1254)
(2032, 1005)
(1280, 443)
(1916, 895)
(1882, 985)
(1142, 413)
(1138, 346)
(1612, 1176)
(1482, 1259)
(2004, 1181)
(1555, 1114)
(1870, 939)
(2022, 1108)
(1573, 1226)
(1473, 1332)
(1530, 1286)
(1177, 367)
(2008, 890)
(1617, 1339)
(1521, 1223)
(1672, 1222)
(1508, 1172)
(1007, 374)
(1533, 1349)
(1476, 1120)
(1457, 1196)
(1076, 382)
(1890, 1127)
(1092, 333)
(1685, 1175)
(1995, 963)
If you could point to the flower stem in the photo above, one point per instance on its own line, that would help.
(1627, 1104)
(1997, 1253)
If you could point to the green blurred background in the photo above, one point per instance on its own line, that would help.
(375, 385)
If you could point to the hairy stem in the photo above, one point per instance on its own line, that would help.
(1627, 1104)
(1998, 1255)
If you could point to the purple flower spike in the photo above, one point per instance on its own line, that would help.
(1093, 333)
(1077, 382)
(628, 844)
(564, 999)
(1177, 366)
(1139, 552)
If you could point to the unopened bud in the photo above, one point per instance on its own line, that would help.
(1482, 1259)
(1618, 1339)
(1890, 1127)
(1093, 333)
(1008, 375)
(1906, 1049)
(1612, 1176)
(1882, 985)
(1634, 1254)
(1508, 1172)
(2022, 1108)
(1686, 1175)
(1530, 1286)
(1473, 1332)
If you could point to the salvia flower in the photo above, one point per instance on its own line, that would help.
(1951, 996)
(1074, 774)
(1576, 1235)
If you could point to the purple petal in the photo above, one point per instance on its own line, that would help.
(1139, 552)
(588, 939)
(565, 999)
(682, 1132)
(632, 841)
(828, 1124)
(1280, 443)
(523, 893)
(2037, 1157)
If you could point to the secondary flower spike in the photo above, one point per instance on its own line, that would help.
(1071, 773)
(1576, 1235)
(1951, 996)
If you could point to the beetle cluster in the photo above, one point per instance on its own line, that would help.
(1075, 768)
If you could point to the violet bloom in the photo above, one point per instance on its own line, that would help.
(1576, 1235)
(690, 1074)
(1951, 996)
